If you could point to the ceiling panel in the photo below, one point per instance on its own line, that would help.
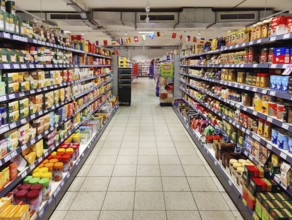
(43, 5)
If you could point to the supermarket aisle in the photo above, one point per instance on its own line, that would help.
(146, 167)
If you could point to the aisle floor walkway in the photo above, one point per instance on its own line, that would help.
(146, 167)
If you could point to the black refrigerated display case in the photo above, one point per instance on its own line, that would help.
(124, 85)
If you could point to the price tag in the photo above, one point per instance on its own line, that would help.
(273, 93)
(24, 174)
(273, 38)
(32, 116)
(269, 119)
(283, 155)
(216, 163)
(241, 86)
(269, 146)
(286, 36)
(49, 66)
(6, 35)
(39, 66)
(13, 154)
(31, 66)
(46, 132)
(254, 89)
(255, 65)
(16, 66)
(255, 113)
(6, 66)
(285, 126)
(33, 141)
(11, 96)
(23, 120)
(13, 125)
(257, 138)
(4, 129)
(250, 157)
(259, 41)
(7, 158)
(46, 153)
(264, 91)
(23, 66)
(23, 147)
(229, 182)
(32, 166)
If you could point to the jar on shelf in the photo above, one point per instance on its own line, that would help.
(58, 171)
(265, 29)
(33, 199)
(264, 55)
(46, 188)
(267, 130)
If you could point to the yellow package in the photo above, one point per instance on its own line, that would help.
(4, 203)
(13, 106)
(24, 86)
(12, 88)
(22, 212)
(24, 112)
(11, 135)
(38, 148)
(30, 158)
(26, 151)
(23, 103)
(6, 174)
(24, 139)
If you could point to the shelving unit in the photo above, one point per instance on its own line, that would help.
(99, 87)
(195, 87)
(60, 188)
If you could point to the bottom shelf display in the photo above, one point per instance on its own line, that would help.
(41, 190)
(252, 187)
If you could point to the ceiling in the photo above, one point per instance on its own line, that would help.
(113, 27)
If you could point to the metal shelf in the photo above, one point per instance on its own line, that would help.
(274, 148)
(265, 91)
(247, 65)
(31, 167)
(268, 40)
(18, 95)
(24, 66)
(18, 38)
(250, 110)
(228, 184)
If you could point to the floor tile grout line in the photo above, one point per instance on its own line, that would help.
(109, 179)
(161, 178)
(185, 175)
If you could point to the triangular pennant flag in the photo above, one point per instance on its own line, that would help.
(158, 34)
(173, 35)
(181, 37)
(194, 40)
(136, 39)
(121, 41)
(152, 36)
(128, 40)
(105, 43)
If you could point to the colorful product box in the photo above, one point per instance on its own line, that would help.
(281, 55)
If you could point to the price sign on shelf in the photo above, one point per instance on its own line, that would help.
(285, 126)
(283, 155)
(269, 146)
(288, 70)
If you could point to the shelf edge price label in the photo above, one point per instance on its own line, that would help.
(13, 154)
(23, 120)
(269, 119)
(283, 155)
(269, 146)
(12, 96)
(13, 125)
(286, 36)
(24, 174)
(6, 66)
(255, 113)
(273, 38)
(285, 126)
(16, 66)
(32, 166)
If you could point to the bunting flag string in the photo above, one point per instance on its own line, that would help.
(173, 35)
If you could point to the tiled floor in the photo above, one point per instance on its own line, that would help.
(146, 167)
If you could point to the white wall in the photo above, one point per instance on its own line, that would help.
(140, 54)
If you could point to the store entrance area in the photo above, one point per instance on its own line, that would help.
(145, 166)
